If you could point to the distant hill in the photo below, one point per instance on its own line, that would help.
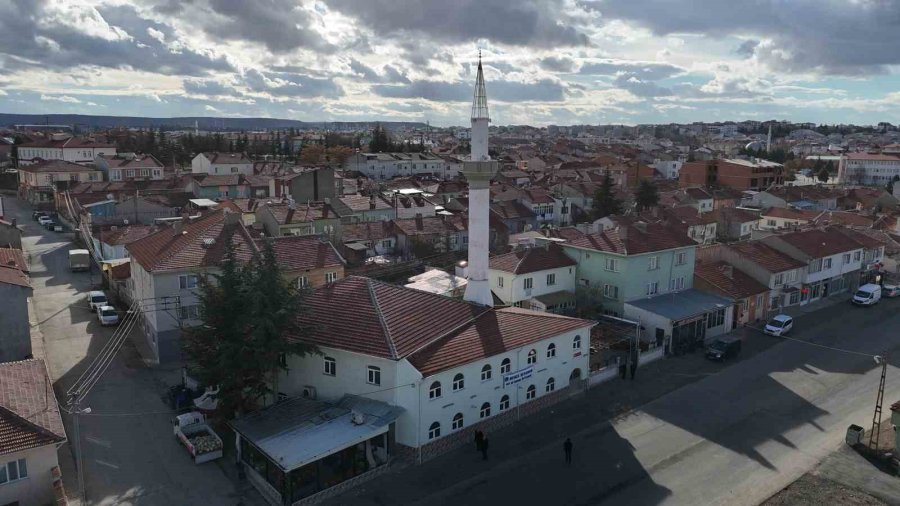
(202, 122)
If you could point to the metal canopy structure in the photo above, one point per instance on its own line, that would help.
(479, 104)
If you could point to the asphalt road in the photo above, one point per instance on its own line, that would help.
(130, 453)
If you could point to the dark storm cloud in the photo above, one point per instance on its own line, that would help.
(285, 84)
(831, 36)
(390, 74)
(545, 90)
(29, 33)
(520, 22)
(280, 25)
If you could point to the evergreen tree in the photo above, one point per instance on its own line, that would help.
(823, 175)
(646, 195)
(890, 185)
(605, 200)
(381, 140)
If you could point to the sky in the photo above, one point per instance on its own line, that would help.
(546, 61)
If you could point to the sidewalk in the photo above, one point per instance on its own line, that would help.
(812, 307)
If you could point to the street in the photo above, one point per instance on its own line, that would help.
(130, 453)
(733, 436)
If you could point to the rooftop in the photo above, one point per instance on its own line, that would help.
(634, 239)
(818, 243)
(532, 260)
(303, 253)
(766, 256)
(729, 281)
(29, 414)
(56, 166)
(224, 158)
(681, 305)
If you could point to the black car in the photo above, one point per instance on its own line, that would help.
(37, 214)
(721, 349)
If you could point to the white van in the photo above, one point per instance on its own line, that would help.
(867, 295)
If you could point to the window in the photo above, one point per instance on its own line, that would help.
(654, 263)
(551, 279)
(530, 393)
(188, 281)
(485, 410)
(576, 343)
(457, 421)
(857, 256)
(611, 264)
(189, 312)
(611, 291)
(504, 403)
(826, 264)
(715, 319)
(815, 266)
(653, 288)
(374, 377)
(386, 243)
(434, 392)
(759, 301)
(527, 283)
(330, 277)
(681, 258)
(459, 382)
(676, 283)
(486, 372)
(846, 258)
(551, 385)
(791, 276)
(330, 366)
(302, 282)
(434, 431)
(551, 350)
(779, 279)
(13, 470)
(532, 357)
(234, 170)
(505, 366)
(500, 281)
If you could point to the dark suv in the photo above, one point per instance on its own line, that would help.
(721, 349)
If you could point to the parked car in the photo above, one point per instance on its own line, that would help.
(107, 315)
(57, 227)
(50, 225)
(37, 214)
(890, 291)
(779, 325)
(44, 220)
(867, 295)
(97, 299)
(722, 349)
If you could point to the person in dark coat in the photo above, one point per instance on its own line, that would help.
(479, 439)
(567, 447)
(484, 448)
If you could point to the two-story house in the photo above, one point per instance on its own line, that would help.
(361, 208)
(780, 272)
(540, 278)
(362, 241)
(632, 261)
(833, 260)
(210, 186)
(38, 181)
(125, 166)
(424, 236)
(80, 150)
(735, 223)
(217, 163)
(750, 296)
(15, 289)
(306, 261)
(873, 253)
(775, 218)
(313, 218)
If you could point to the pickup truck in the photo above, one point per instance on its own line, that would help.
(201, 441)
(79, 260)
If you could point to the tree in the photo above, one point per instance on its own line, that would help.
(646, 195)
(312, 154)
(890, 185)
(381, 140)
(605, 200)
(247, 310)
(823, 175)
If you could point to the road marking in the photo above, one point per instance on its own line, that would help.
(107, 464)
(101, 442)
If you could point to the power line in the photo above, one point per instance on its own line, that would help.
(832, 348)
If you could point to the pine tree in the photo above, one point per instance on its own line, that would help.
(605, 200)
(646, 195)
(823, 175)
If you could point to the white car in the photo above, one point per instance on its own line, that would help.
(44, 220)
(107, 315)
(891, 291)
(97, 299)
(779, 325)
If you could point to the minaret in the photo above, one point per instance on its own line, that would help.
(479, 170)
(769, 140)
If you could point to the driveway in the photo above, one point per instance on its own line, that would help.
(130, 453)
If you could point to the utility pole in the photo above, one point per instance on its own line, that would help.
(879, 401)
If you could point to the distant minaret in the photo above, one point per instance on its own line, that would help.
(769, 140)
(479, 170)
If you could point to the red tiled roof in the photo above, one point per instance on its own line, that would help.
(766, 256)
(844, 218)
(218, 179)
(872, 156)
(125, 234)
(532, 260)
(219, 157)
(302, 213)
(56, 166)
(511, 210)
(71, 142)
(363, 203)
(820, 243)
(728, 280)
(139, 161)
(790, 213)
(868, 241)
(202, 244)
(367, 231)
(302, 252)
(734, 215)
(29, 414)
(13, 257)
(631, 240)
(13, 276)
(431, 225)
(493, 332)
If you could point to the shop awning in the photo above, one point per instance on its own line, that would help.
(298, 431)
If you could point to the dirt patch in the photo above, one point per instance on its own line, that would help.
(812, 490)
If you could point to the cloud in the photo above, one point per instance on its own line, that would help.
(558, 64)
(61, 98)
(286, 84)
(390, 74)
(640, 88)
(209, 87)
(647, 71)
(849, 37)
(280, 25)
(545, 90)
(519, 23)
(156, 34)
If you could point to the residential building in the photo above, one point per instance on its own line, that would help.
(383, 166)
(10, 234)
(751, 298)
(365, 240)
(306, 261)
(632, 261)
(422, 236)
(409, 203)
(682, 322)
(438, 282)
(80, 150)
(31, 437)
(755, 174)
(868, 168)
(516, 216)
(735, 223)
(313, 218)
(776, 218)
(127, 166)
(15, 289)
(225, 186)
(306, 184)
(220, 164)
(537, 277)
(780, 272)
(39, 180)
(111, 241)
(810, 198)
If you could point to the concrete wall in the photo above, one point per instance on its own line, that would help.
(513, 289)
(351, 376)
(37, 488)
(15, 330)
(313, 186)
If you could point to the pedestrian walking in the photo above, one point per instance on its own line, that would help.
(567, 447)
(479, 439)
(484, 448)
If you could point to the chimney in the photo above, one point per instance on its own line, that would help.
(728, 271)
(640, 225)
(178, 227)
(231, 217)
(372, 201)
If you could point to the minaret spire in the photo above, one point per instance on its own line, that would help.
(479, 103)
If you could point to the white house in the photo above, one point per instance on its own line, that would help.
(78, 150)
(540, 278)
(391, 165)
(217, 163)
(32, 432)
(128, 166)
(868, 168)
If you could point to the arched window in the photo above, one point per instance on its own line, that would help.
(457, 421)
(435, 391)
(486, 410)
(576, 374)
(576, 343)
(458, 382)
(551, 350)
(532, 357)
(551, 384)
(530, 393)
(504, 403)
(505, 366)
(486, 372)
(435, 430)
